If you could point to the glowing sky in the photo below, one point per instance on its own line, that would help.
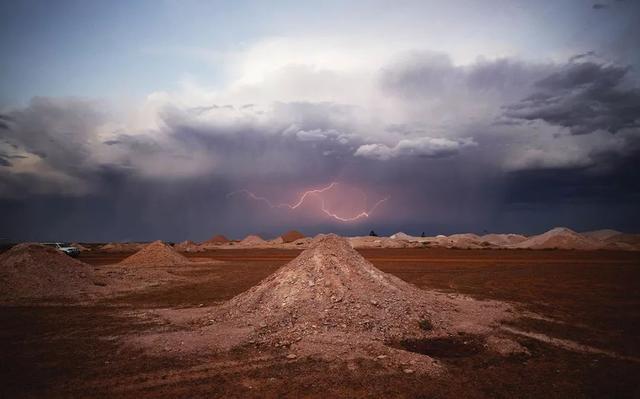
(136, 119)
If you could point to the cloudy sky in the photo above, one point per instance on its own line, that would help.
(139, 120)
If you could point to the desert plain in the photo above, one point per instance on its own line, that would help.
(321, 317)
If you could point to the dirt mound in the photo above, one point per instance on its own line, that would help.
(80, 247)
(623, 241)
(402, 236)
(332, 303)
(331, 289)
(217, 239)
(330, 284)
(601, 235)
(188, 246)
(253, 239)
(121, 247)
(559, 238)
(291, 236)
(155, 254)
(503, 239)
(32, 271)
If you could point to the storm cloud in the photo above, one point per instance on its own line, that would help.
(583, 97)
(497, 144)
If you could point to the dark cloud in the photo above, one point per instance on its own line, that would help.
(583, 97)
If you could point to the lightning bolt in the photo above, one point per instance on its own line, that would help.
(303, 197)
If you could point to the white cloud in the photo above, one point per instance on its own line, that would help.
(429, 147)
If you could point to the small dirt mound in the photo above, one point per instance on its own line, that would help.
(503, 240)
(253, 239)
(402, 236)
(188, 246)
(217, 239)
(559, 238)
(291, 236)
(32, 271)
(601, 235)
(121, 247)
(155, 254)
(80, 247)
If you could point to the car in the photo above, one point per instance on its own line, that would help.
(64, 247)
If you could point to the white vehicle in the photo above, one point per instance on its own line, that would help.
(64, 247)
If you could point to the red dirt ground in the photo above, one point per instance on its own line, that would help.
(589, 297)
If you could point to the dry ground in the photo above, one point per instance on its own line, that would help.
(592, 298)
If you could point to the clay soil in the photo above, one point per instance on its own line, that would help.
(586, 297)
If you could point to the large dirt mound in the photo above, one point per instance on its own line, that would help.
(155, 254)
(331, 289)
(36, 271)
(253, 239)
(291, 236)
(559, 238)
(331, 302)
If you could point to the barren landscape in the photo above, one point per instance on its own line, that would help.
(469, 323)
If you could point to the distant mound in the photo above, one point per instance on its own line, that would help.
(36, 271)
(402, 236)
(188, 246)
(217, 239)
(465, 241)
(623, 241)
(80, 247)
(601, 235)
(155, 254)
(121, 247)
(291, 236)
(503, 239)
(252, 239)
(559, 238)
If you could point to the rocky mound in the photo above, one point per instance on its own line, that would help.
(188, 246)
(155, 254)
(329, 284)
(291, 236)
(32, 271)
(332, 303)
(559, 238)
(253, 239)
(601, 235)
(503, 240)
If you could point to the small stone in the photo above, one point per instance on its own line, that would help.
(382, 356)
(374, 302)
(291, 356)
(343, 325)
(408, 371)
(263, 324)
